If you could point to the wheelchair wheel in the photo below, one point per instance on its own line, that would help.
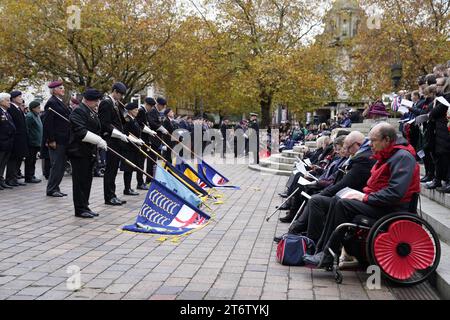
(405, 247)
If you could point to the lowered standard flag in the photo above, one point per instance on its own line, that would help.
(184, 167)
(164, 212)
(176, 186)
(211, 175)
(185, 180)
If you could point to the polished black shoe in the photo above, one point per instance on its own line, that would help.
(12, 183)
(142, 187)
(113, 202)
(4, 185)
(1, 188)
(287, 219)
(85, 215)
(64, 194)
(21, 183)
(20, 176)
(283, 195)
(443, 189)
(33, 180)
(121, 201)
(94, 214)
(55, 194)
(433, 184)
(276, 239)
(426, 179)
(130, 192)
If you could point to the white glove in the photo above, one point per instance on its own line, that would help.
(163, 130)
(136, 140)
(164, 148)
(119, 135)
(149, 131)
(92, 138)
(245, 136)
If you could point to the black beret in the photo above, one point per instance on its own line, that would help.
(34, 104)
(15, 94)
(92, 94)
(150, 101)
(166, 112)
(131, 106)
(161, 101)
(119, 87)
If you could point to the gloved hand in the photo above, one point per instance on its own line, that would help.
(149, 131)
(135, 140)
(163, 130)
(116, 134)
(92, 138)
(164, 148)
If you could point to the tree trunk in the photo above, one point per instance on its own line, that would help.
(265, 104)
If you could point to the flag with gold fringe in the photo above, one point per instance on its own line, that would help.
(164, 212)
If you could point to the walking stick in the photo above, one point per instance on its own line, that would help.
(293, 193)
(307, 196)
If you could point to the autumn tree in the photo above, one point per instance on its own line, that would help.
(412, 32)
(118, 40)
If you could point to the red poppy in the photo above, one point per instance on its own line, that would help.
(405, 248)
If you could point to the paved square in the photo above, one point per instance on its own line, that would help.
(231, 258)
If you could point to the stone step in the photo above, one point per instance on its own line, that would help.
(438, 216)
(264, 170)
(280, 158)
(276, 165)
(442, 279)
(442, 198)
(291, 154)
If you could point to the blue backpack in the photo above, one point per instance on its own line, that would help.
(292, 248)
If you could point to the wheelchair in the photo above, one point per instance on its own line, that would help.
(403, 245)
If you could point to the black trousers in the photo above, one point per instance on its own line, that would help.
(13, 167)
(344, 211)
(441, 162)
(111, 168)
(58, 165)
(30, 162)
(313, 217)
(81, 182)
(127, 176)
(429, 164)
(4, 156)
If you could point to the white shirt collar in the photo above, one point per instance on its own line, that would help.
(15, 105)
(113, 100)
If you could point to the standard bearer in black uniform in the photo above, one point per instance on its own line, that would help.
(82, 150)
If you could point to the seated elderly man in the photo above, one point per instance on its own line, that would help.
(327, 178)
(354, 174)
(393, 182)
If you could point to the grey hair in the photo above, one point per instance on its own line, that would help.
(4, 95)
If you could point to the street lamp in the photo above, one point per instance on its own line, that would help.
(396, 74)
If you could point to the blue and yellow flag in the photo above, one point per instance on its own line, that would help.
(176, 186)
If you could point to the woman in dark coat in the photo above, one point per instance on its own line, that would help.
(438, 116)
(130, 151)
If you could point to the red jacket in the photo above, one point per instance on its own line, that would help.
(395, 177)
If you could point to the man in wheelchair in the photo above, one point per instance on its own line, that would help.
(391, 187)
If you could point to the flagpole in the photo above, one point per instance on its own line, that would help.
(110, 149)
(175, 139)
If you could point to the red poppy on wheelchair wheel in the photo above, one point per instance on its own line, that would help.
(405, 248)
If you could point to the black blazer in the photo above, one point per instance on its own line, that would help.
(358, 172)
(143, 121)
(56, 128)
(7, 131)
(20, 147)
(155, 120)
(110, 115)
(82, 120)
